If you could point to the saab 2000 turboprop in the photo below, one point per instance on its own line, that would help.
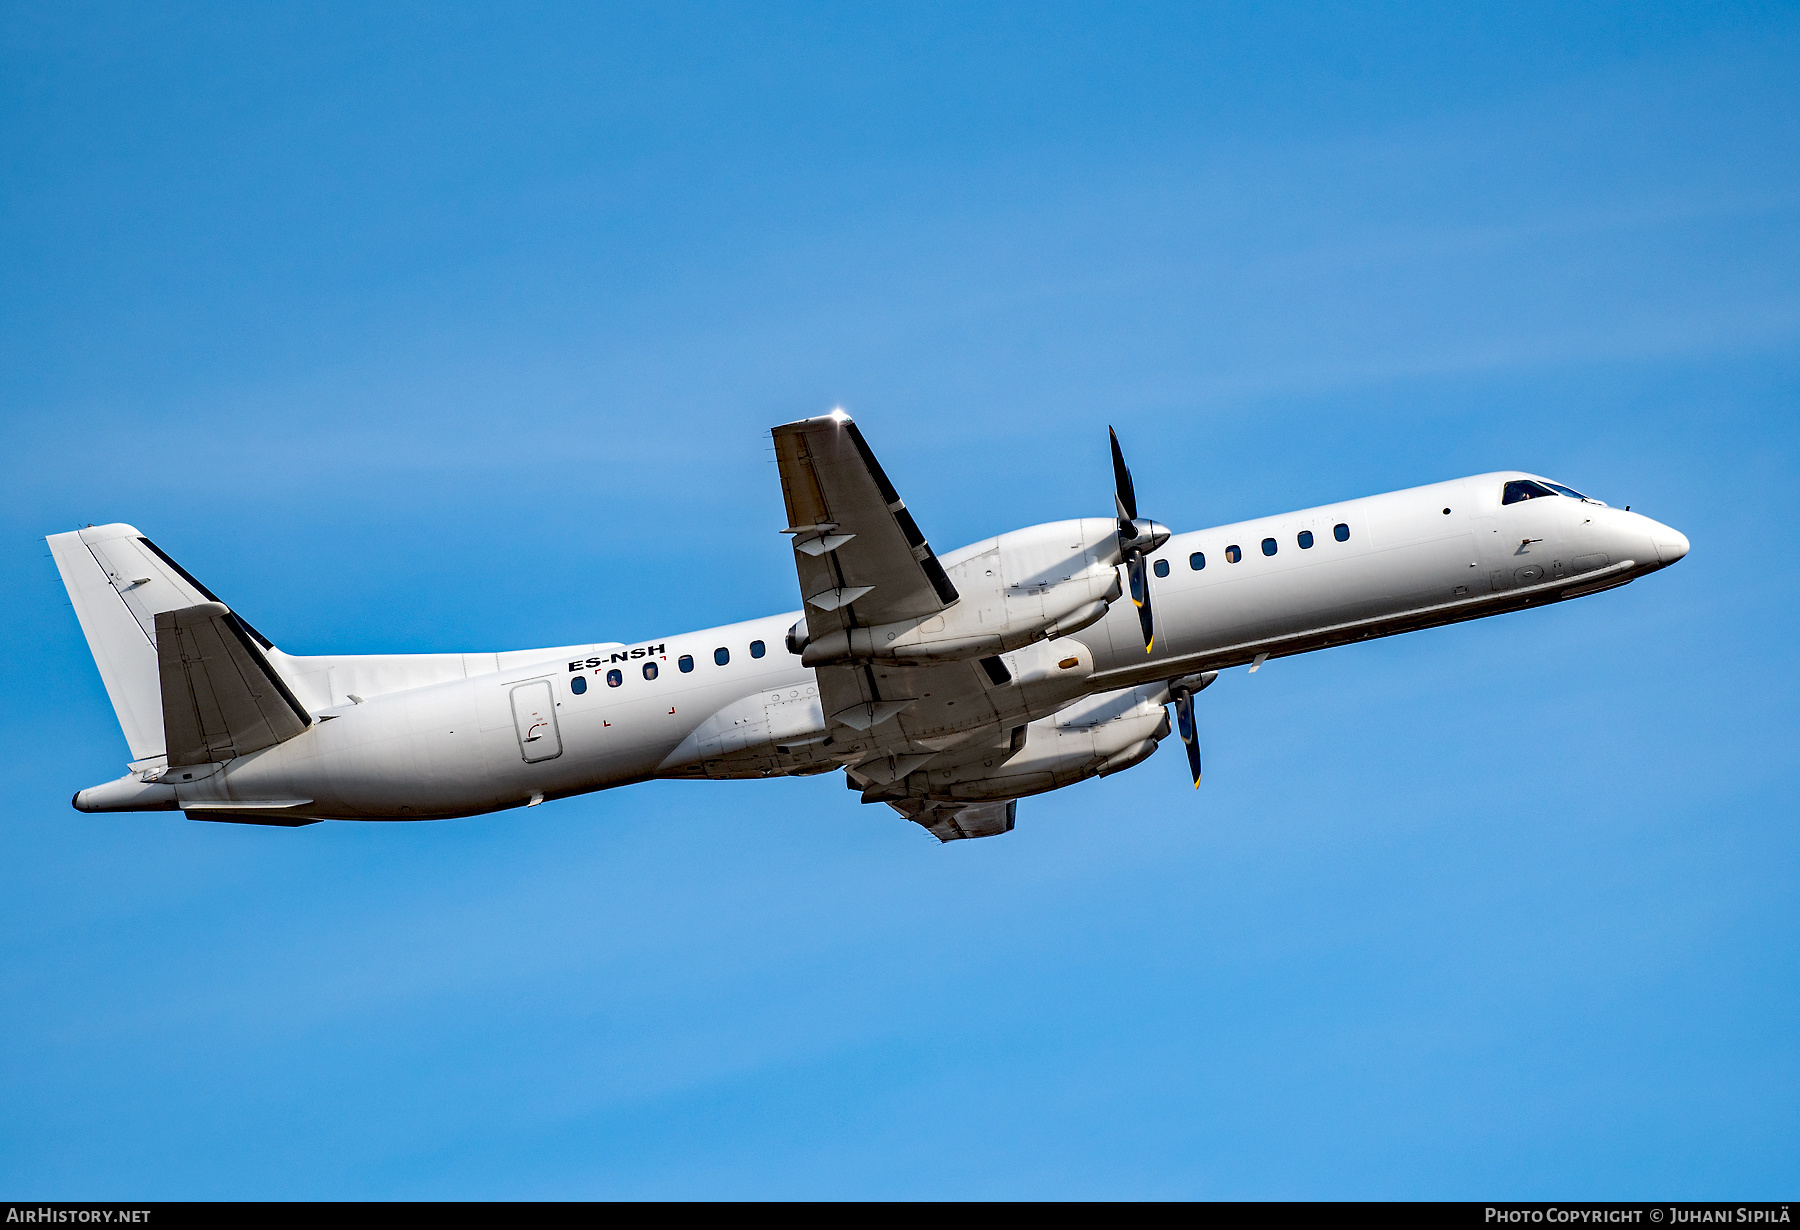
(946, 687)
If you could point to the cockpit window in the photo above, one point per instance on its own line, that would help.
(1570, 492)
(1524, 489)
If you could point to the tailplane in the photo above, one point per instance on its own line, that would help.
(220, 697)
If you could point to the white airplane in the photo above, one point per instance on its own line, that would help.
(947, 687)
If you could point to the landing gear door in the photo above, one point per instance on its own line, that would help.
(534, 718)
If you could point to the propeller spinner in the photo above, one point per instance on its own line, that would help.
(1137, 539)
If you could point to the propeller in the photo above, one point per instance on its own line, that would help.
(1190, 736)
(1182, 691)
(1137, 539)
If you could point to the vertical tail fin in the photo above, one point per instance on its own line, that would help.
(118, 582)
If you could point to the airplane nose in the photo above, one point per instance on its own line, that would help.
(1671, 545)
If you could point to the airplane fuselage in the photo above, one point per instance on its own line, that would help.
(457, 734)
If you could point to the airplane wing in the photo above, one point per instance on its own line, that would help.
(862, 560)
(958, 821)
(861, 557)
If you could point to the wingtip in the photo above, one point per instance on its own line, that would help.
(837, 418)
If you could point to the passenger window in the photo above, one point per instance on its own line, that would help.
(685, 662)
(1305, 540)
(756, 649)
(1524, 489)
(1233, 554)
(1197, 560)
(578, 685)
(1341, 532)
(1268, 546)
(721, 655)
(649, 670)
(614, 678)
(1162, 567)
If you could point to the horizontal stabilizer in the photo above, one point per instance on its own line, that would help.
(220, 697)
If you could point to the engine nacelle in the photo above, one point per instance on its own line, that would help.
(1093, 737)
(1026, 586)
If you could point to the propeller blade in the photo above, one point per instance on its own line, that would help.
(1139, 572)
(1125, 496)
(1190, 734)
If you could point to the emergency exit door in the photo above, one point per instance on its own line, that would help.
(534, 717)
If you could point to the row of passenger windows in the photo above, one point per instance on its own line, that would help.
(1235, 554)
(685, 663)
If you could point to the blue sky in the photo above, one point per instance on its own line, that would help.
(462, 328)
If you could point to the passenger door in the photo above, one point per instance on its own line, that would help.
(534, 718)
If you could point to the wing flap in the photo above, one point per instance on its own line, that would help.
(220, 697)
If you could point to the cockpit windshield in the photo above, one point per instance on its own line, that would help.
(1524, 489)
(1529, 489)
(1570, 492)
